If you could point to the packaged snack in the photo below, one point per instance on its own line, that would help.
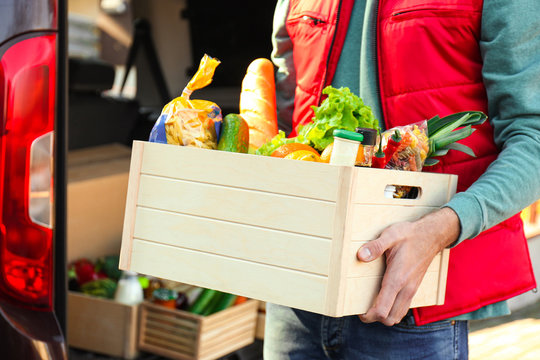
(191, 122)
(412, 146)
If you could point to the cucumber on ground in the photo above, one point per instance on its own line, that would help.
(209, 309)
(234, 134)
(226, 301)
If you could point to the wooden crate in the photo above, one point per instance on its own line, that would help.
(102, 325)
(181, 335)
(276, 230)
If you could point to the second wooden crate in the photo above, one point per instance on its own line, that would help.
(185, 336)
(276, 230)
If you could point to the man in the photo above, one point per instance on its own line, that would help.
(410, 60)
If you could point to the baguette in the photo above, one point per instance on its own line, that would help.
(258, 102)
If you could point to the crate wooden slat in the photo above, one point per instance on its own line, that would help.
(276, 230)
(185, 336)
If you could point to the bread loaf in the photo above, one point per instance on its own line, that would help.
(258, 102)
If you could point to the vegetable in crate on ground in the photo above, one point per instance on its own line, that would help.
(109, 265)
(85, 271)
(105, 288)
(258, 102)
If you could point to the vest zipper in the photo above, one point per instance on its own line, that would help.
(330, 52)
(382, 122)
(315, 21)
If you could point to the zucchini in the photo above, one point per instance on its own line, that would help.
(234, 134)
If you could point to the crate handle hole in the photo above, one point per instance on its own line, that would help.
(395, 191)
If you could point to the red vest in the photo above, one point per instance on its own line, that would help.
(429, 63)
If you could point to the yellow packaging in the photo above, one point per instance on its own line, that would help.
(193, 122)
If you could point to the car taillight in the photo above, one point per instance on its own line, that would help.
(27, 95)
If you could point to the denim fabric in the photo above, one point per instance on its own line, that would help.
(295, 334)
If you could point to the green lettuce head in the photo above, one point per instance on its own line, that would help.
(340, 110)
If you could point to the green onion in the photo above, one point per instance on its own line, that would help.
(443, 133)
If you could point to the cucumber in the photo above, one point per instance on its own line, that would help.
(226, 301)
(202, 301)
(216, 299)
(234, 134)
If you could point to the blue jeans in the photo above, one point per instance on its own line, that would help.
(296, 334)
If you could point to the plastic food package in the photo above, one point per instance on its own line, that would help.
(413, 147)
(191, 122)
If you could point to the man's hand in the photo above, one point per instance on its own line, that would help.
(410, 247)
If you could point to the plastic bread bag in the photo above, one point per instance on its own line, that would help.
(411, 150)
(189, 122)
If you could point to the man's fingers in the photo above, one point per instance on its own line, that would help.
(400, 307)
(384, 301)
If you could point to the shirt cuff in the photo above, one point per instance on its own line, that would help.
(470, 214)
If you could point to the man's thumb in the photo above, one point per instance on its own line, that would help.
(370, 251)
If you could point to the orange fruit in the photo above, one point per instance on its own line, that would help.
(327, 154)
(305, 155)
(286, 149)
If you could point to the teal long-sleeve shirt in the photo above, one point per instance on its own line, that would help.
(510, 46)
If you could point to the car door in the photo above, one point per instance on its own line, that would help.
(32, 185)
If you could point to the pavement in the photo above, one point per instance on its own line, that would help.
(516, 336)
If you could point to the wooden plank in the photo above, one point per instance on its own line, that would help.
(173, 337)
(131, 203)
(132, 331)
(158, 350)
(162, 346)
(112, 325)
(274, 247)
(301, 215)
(257, 281)
(235, 313)
(427, 293)
(362, 291)
(370, 185)
(228, 345)
(312, 180)
(166, 327)
(443, 275)
(336, 290)
(368, 221)
(166, 320)
(259, 330)
(218, 336)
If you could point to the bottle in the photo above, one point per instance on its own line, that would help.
(165, 297)
(365, 151)
(346, 145)
(129, 290)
